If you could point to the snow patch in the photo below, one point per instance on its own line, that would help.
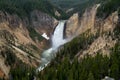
(45, 36)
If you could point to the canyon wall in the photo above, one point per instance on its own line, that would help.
(21, 37)
(77, 25)
(90, 24)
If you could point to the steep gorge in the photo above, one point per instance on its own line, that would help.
(21, 40)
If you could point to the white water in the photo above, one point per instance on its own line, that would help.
(57, 41)
(57, 38)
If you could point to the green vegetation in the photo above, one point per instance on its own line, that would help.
(34, 47)
(89, 68)
(30, 52)
(119, 11)
(34, 35)
(24, 7)
(67, 4)
(9, 56)
(77, 44)
(21, 72)
(117, 32)
(7, 36)
(83, 6)
(107, 7)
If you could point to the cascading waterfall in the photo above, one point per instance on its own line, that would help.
(57, 40)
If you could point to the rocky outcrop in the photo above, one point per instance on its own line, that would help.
(106, 38)
(42, 22)
(101, 45)
(77, 25)
(110, 23)
(4, 69)
(72, 25)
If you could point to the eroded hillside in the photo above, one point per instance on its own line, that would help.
(23, 38)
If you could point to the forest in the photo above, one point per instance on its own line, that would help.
(23, 8)
(88, 68)
(107, 8)
(67, 4)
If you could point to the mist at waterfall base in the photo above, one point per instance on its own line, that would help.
(57, 41)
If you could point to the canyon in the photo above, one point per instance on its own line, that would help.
(35, 40)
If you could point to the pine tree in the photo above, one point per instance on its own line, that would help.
(90, 76)
(114, 71)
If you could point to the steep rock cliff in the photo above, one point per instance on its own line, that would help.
(77, 25)
(103, 29)
(42, 22)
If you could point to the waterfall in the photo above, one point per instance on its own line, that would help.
(57, 40)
